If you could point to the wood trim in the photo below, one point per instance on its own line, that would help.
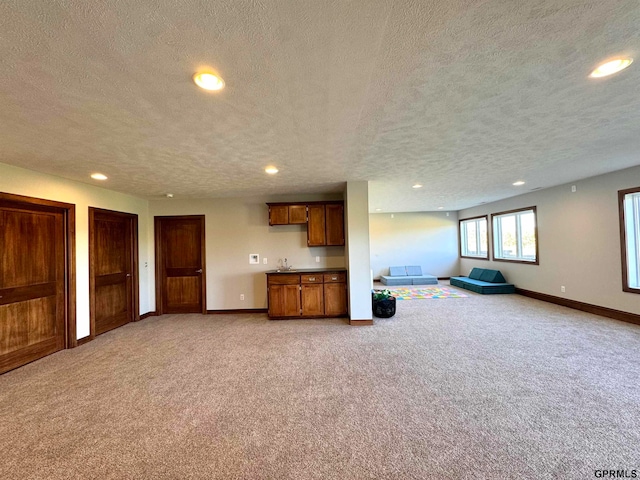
(524, 262)
(360, 323)
(157, 238)
(318, 202)
(147, 315)
(585, 307)
(623, 240)
(136, 268)
(92, 280)
(203, 256)
(69, 213)
(486, 217)
(72, 333)
(237, 310)
(86, 339)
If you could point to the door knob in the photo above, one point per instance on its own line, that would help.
(128, 274)
(199, 271)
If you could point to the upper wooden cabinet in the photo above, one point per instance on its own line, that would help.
(286, 214)
(334, 224)
(297, 214)
(316, 226)
(325, 220)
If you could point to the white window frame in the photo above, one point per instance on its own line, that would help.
(629, 208)
(462, 237)
(497, 253)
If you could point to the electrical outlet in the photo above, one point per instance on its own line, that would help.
(317, 259)
(562, 289)
(264, 260)
(573, 189)
(242, 297)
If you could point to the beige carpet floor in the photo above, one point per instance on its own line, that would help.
(492, 387)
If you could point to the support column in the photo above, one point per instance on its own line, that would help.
(358, 253)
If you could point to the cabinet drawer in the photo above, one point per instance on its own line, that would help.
(284, 279)
(313, 278)
(335, 278)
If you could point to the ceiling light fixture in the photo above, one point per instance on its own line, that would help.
(417, 185)
(169, 195)
(271, 170)
(440, 208)
(208, 81)
(518, 183)
(611, 67)
(98, 176)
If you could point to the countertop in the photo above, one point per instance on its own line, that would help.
(307, 270)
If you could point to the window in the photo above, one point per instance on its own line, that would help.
(515, 236)
(474, 241)
(629, 205)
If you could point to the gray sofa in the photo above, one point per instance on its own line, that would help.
(485, 281)
(407, 275)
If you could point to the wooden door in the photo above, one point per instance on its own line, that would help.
(334, 224)
(113, 284)
(316, 226)
(180, 269)
(33, 285)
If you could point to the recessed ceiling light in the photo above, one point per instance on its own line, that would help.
(98, 176)
(611, 67)
(417, 185)
(169, 195)
(271, 170)
(378, 209)
(518, 183)
(440, 208)
(208, 81)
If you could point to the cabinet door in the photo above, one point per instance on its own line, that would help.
(335, 299)
(297, 214)
(312, 299)
(278, 215)
(284, 300)
(316, 226)
(334, 224)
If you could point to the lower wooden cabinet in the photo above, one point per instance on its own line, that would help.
(335, 299)
(308, 295)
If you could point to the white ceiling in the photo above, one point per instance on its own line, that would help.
(464, 97)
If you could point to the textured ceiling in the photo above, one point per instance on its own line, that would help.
(464, 97)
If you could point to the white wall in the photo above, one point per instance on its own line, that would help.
(428, 239)
(25, 182)
(579, 241)
(237, 227)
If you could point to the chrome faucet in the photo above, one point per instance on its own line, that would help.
(286, 267)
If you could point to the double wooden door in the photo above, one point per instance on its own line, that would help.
(180, 266)
(113, 280)
(34, 279)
